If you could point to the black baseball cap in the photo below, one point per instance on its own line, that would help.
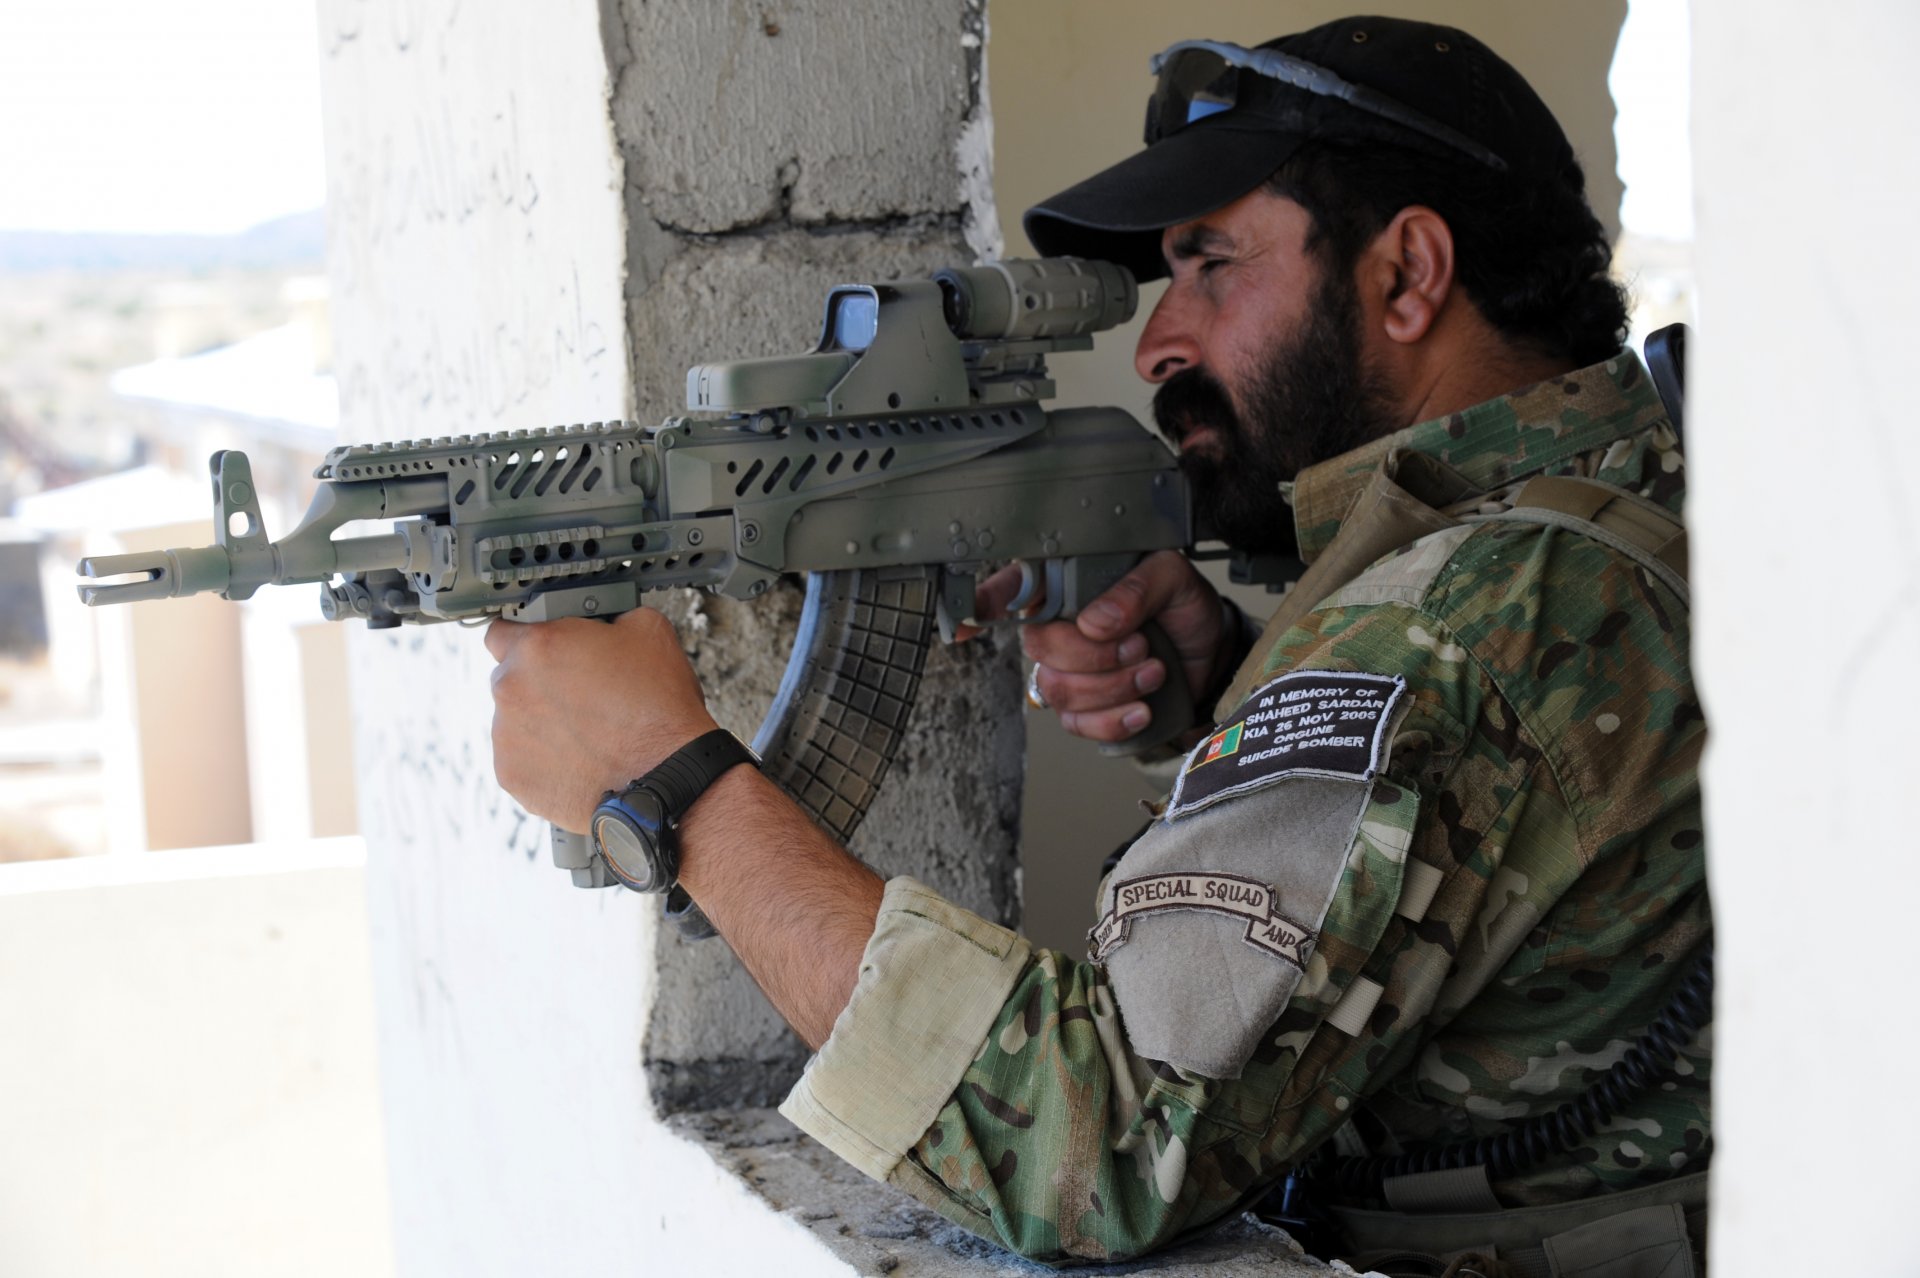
(1222, 119)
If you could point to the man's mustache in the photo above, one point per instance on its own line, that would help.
(1193, 397)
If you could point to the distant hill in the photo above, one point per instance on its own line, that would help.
(299, 239)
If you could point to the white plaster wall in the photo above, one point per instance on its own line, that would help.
(1806, 523)
(187, 1078)
(476, 260)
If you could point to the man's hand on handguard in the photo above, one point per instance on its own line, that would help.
(582, 707)
(1094, 671)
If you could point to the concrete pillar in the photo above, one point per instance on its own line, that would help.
(1806, 527)
(331, 790)
(299, 718)
(23, 615)
(175, 754)
(543, 215)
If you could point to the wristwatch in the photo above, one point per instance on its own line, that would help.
(637, 830)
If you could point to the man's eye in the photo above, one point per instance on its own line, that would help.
(1208, 264)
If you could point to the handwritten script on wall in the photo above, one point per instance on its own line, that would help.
(474, 235)
(476, 255)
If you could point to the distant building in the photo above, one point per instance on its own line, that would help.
(223, 723)
(271, 393)
(23, 614)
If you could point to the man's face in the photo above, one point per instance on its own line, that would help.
(1257, 351)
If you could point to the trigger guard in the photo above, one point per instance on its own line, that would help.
(1056, 592)
(1029, 582)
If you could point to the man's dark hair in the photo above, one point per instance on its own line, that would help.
(1530, 254)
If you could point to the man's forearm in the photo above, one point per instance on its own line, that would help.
(793, 904)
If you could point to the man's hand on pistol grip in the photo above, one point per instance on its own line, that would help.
(1094, 670)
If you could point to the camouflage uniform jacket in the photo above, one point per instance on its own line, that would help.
(1542, 770)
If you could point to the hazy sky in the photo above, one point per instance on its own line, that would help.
(1651, 94)
(162, 115)
(204, 115)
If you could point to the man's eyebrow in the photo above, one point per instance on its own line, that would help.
(1196, 241)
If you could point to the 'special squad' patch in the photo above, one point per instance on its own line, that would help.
(1322, 723)
(1235, 894)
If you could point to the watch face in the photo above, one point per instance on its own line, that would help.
(626, 831)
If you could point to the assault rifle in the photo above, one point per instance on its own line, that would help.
(890, 465)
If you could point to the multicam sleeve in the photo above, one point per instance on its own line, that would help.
(932, 979)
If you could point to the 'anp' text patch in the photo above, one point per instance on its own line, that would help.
(1320, 723)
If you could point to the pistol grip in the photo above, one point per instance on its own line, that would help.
(1171, 703)
(574, 853)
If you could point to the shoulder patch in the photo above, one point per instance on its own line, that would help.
(1232, 894)
(1319, 723)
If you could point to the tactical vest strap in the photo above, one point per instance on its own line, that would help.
(1644, 531)
(1418, 888)
(1655, 1232)
(1382, 519)
(1413, 496)
(1351, 1013)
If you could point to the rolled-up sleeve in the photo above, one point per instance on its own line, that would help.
(933, 980)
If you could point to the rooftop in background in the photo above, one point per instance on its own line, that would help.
(144, 497)
(269, 379)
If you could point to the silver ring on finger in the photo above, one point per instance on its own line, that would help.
(1036, 698)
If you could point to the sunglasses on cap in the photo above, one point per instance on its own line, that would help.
(1201, 78)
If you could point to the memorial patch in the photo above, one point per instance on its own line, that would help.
(1321, 723)
(1267, 928)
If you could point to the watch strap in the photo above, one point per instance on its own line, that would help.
(683, 776)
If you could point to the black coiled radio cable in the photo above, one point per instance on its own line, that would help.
(1528, 1143)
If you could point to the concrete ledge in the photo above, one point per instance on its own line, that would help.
(188, 1062)
(125, 869)
(877, 1230)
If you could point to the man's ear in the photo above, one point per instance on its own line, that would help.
(1410, 269)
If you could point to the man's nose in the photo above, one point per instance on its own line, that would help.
(1167, 345)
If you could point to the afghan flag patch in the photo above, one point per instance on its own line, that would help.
(1220, 743)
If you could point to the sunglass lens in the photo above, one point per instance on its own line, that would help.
(1194, 84)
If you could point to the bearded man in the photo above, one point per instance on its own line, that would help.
(1419, 932)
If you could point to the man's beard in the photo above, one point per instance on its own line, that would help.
(1309, 399)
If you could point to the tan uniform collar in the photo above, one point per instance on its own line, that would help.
(1535, 429)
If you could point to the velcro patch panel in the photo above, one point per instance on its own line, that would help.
(1321, 723)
